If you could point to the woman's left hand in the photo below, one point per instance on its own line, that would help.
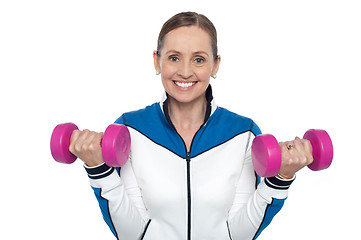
(296, 155)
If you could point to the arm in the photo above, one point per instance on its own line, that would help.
(116, 189)
(252, 211)
(119, 199)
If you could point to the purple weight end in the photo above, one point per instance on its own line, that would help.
(60, 142)
(266, 155)
(116, 145)
(322, 149)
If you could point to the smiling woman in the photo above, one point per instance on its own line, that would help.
(190, 173)
(186, 64)
(185, 58)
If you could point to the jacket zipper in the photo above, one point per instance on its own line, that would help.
(188, 159)
(189, 195)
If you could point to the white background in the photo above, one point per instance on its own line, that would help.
(289, 65)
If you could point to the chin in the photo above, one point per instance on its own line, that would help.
(186, 92)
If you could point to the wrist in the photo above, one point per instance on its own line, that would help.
(99, 171)
(278, 182)
(286, 177)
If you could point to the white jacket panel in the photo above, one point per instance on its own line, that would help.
(165, 192)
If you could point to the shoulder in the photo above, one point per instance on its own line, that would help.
(140, 116)
(223, 126)
(234, 122)
(151, 123)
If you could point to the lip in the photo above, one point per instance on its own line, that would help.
(184, 88)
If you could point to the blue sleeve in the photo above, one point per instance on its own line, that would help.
(271, 211)
(120, 120)
(255, 129)
(275, 183)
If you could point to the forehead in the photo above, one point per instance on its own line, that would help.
(185, 39)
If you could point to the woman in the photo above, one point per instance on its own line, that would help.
(190, 173)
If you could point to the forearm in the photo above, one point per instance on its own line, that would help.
(249, 219)
(256, 202)
(120, 204)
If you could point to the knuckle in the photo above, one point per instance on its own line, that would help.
(298, 143)
(289, 161)
(84, 147)
(93, 147)
(310, 160)
(308, 145)
(74, 136)
(304, 161)
(283, 148)
(76, 132)
(78, 147)
(71, 149)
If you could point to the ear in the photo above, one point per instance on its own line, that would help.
(216, 65)
(156, 61)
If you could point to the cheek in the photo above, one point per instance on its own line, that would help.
(167, 76)
(203, 74)
(168, 71)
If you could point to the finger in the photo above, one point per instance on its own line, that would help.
(307, 145)
(81, 141)
(290, 145)
(305, 151)
(308, 149)
(284, 146)
(87, 140)
(285, 152)
(298, 144)
(304, 142)
(95, 143)
(73, 139)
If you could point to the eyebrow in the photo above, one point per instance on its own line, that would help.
(172, 51)
(179, 53)
(201, 52)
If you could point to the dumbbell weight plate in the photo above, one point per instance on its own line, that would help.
(322, 149)
(116, 145)
(60, 142)
(266, 155)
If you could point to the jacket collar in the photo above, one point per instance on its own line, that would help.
(211, 105)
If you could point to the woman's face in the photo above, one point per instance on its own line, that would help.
(186, 63)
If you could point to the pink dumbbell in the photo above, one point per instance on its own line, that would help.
(266, 153)
(115, 144)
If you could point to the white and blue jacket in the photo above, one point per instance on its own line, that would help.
(165, 192)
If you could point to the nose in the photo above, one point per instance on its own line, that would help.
(185, 70)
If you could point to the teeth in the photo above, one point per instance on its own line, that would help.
(185, 84)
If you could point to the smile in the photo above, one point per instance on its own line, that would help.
(184, 84)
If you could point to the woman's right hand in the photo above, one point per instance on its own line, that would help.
(86, 145)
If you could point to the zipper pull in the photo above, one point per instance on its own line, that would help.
(188, 156)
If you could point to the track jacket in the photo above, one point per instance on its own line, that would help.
(165, 192)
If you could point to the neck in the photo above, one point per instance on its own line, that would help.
(187, 115)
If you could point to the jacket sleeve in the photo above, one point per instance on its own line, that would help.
(253, 210)
(120, 200)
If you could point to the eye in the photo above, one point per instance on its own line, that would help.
(199, 60)
(173, 58)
